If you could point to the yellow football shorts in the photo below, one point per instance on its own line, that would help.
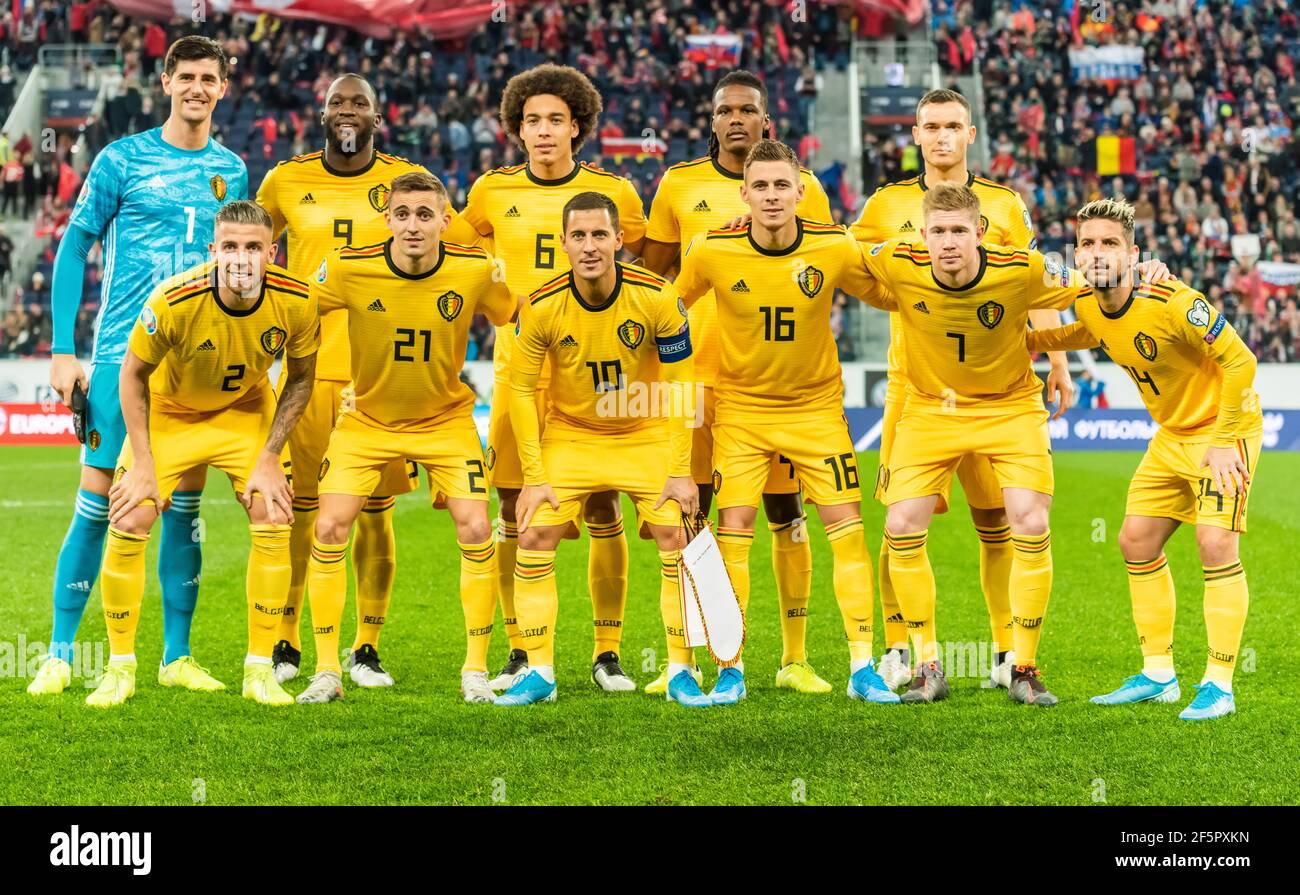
(817, 450)
(1170, 484)
(308, 439)
(359, 455)
(930, 444)
(974, 471)
(503, 450)
(228, 440)
(635, 464)
(780, 476)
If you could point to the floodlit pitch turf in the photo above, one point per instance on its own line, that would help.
(418, 743)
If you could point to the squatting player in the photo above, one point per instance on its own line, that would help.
(322, 200)
(944, 132)
(151, 199)
(409, 302)
(702, 195)
(610, 330)
(195, 393)
(549, 111)
(779, 390)
(1196, 376)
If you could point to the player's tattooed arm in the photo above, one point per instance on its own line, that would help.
(139, 483)
(267, 478)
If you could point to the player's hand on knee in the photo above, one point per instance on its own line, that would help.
(1228, 471)
(136, 485)
(681, 489)
(65, 373)
(268, 481)
(530, 498)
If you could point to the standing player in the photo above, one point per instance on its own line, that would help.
(970, 392)
(549, 111)
(779, 390)
(944, 132)
(326, 199)
(608, 328)
(195, 393)
(151, 198)
(694, 197)
(1196, 377)
(409, 303)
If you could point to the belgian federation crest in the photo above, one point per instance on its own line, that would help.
(449, 305)
(717, 481)
(810, 281)
(1145, 345)
(218, 184)
(93, 439)
(990, 314)
(273, 340)
(491, 457)
(984, 223)
(378, 196)
(324, 468)
(630, 333)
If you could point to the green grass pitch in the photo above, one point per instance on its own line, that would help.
(419, 744)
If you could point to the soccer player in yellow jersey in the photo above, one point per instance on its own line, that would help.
(1196, 376)
(619, 348)
(702, 195)
(195, 393)
(944, 132)
(409, 301)
(969, 393)
(549, 111)
(779, 391)
(320, 201)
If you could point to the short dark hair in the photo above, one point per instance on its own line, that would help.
(590, 201)
(944, 96)
(742, 78)
(243, 211)
(196, 46)
(418, 182)
(564, 81)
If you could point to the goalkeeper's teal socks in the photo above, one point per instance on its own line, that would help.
(180, 560)
(77, 570)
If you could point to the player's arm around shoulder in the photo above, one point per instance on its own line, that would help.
(498, 304)
(859, 279)
(691, 280)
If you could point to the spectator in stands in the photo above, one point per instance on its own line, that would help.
(6, 254)
(39, 294)
(12, 175)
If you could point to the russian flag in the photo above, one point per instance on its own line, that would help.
(714, 50)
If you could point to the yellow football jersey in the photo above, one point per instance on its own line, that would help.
(966, 346)
(523, 215)
(408, 333)
(211, 357)
(322, 209)
(1194, 373)
(774, 311)
(604, 360)
(701, 195)
(894, 212)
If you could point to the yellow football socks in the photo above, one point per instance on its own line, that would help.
(1151, 588)
(853, 584)
(121, 584)
(327, 591)
(267, 585)
(670, 608)
(507, 547)
(607, 579)
(1227, 600)
(537, 604)
(792, 566)
(895, 626)
(374, 556)
(734, 544)
(1031, 588)
(996, 554)
(913, 579)
(304, 528)
(478, 599)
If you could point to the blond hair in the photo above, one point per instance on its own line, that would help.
(1113, 209)
(417, 182)
(772, 151)
(243, 211)
(951, 197)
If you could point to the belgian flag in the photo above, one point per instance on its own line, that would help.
(1116, 155)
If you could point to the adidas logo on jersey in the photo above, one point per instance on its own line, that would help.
(703, 206)
(568, 342)
(307, 200)
(376, 305)
(207, 346)
(157, 183)
(512, 212)
(920, 306)
(907, 227)
(740, 286)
